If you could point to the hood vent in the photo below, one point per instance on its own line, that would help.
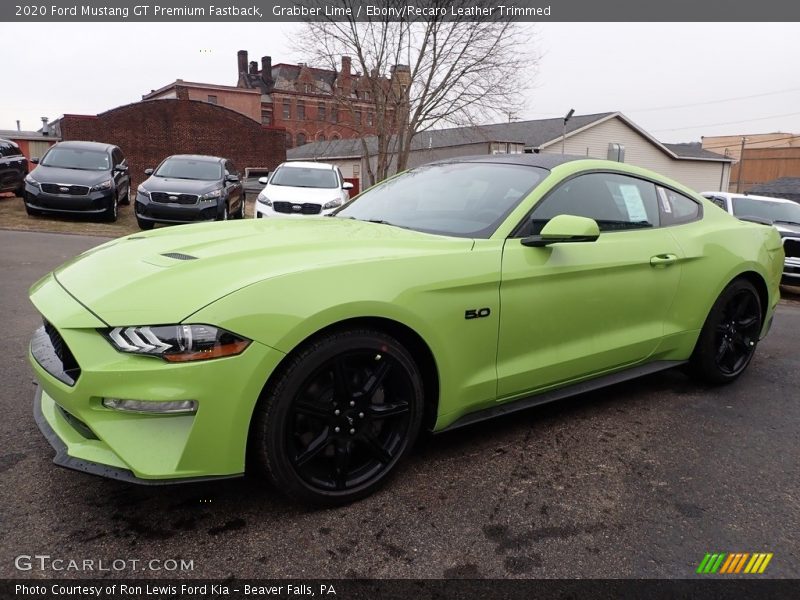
(179, 256)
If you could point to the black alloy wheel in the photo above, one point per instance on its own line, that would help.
(111, 212)
(340, 417)
(127, 199)
(730, 335)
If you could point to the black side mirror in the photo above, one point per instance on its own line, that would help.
(148, 171)
(232, 178)
(121, 168)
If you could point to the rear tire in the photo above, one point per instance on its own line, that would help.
(729, 336)
(223, 215)
(144, 225)
(338, 417)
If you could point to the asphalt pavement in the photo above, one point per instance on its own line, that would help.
(637, 480)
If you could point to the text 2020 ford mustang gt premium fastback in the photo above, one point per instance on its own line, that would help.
(454, 292)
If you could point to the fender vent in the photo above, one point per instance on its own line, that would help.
(179, 256)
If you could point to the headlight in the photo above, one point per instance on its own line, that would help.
(336, 202)
(106, 185)
(31, 181)
(211, 195)
(263, 199)
(177, 343)
(143, 192)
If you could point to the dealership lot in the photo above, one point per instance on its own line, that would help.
(638, 480)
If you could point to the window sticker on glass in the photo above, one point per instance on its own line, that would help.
(634, 203)
(662, 194)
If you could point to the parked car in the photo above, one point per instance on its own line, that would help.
(186, 188)
(457, 291)
(13, 168)
(781, 213)
(302, 188)
(79, 178)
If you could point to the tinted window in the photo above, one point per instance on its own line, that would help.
(719, 201)
(764, 209)
(116, 156)
(616, 202)
(461, 199)
(9, 149)
(187, 168)
(77, 158)
(304, 177)
(677, 208)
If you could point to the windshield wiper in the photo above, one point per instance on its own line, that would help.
(786, 222)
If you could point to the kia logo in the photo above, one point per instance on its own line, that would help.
(297, 207)
(173, 197)
(63, 189)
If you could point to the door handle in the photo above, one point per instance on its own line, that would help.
(662, 260)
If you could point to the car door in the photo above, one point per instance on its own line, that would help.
(234, 189)
(121, 176)
(571, 310)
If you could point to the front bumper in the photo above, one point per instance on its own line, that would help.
(143, 447)
(169, 212)
(91, 203)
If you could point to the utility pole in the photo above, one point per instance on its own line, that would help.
(564, 130)
(741, 167)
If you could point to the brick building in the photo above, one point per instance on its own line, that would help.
(315, 104)
(151, 130)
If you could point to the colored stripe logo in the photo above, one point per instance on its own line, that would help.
(731, 563)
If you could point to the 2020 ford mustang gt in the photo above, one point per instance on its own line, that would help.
(456, 291)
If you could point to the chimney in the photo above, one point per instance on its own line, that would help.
(19, 128)
(242, 58)
(253, 67)
(45, 126)
(346, 66)
(266, 69)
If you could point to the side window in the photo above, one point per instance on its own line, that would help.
(230, 168)
(719, 201)
(341, 178)
(116, 156)
(677, 208)
(6, 149)
(617, 202)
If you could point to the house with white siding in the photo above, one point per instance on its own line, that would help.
(604, 135)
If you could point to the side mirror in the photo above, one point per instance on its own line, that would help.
(263, 180)
(232, 178)
(35, 160)
(148, 171)
(563, 229)
(347, 185)
(121, 168)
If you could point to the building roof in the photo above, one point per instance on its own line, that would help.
(13, 134)
(783, 187)
(693, 150)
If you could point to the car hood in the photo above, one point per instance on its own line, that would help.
(180, 186)
(282, 193)
(44, 174)
(787, 230)
(165, 275)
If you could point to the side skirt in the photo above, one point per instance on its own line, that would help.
(561, 393)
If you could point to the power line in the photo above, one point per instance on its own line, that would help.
(737, 138)
(728, 122)
(707, 102)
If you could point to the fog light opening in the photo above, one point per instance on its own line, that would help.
(151, 407)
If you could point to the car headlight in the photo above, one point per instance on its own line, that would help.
(177, 343)
(105, 185)
(336, 202)
(143, 192)
(211, 195)
(30, 180)
(263, 199)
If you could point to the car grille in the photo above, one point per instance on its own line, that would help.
(293, 208)
(52, 353)
(71, 190)
(174, 198)
(791, 247)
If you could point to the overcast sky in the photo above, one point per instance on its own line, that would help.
(678, 81)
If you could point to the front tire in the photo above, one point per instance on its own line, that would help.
(110, 213)
(223, 214)
(729, 336)
(242, 207)
(144, 225)
(127, 199)
(338, 417)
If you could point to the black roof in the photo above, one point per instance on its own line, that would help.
(86, 145)
(198, 157)
(692, 150)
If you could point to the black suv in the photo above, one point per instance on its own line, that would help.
(190, 187)
(13, 168)
(79, 177)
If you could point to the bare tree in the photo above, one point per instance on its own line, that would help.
(421, 75)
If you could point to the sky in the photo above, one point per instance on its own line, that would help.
(678, 81)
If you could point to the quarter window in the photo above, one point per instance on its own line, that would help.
(617, 202)
(677, 208)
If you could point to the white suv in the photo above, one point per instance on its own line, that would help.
(295, 189)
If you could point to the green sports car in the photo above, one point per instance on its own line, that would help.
(318, 348)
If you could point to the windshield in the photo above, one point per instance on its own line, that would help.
(467, 199)
(764, 209)
(77, 158)
(304, 177)
(187, 168)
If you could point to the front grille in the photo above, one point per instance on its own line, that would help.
(299, 209)
(77, 424)
(791, 247)
(173, 198)
(52, 353)
(71, 190)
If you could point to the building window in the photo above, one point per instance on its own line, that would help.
(322, 113)
(306, 88)
(335, 137)
(301, 110)
(334, 114)
(366, 95)
(320, 137)
(301, 139)
(356, 171)
(266, 117)
(212, 99)
(287, 109)
(370, 119)
(357, 117)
